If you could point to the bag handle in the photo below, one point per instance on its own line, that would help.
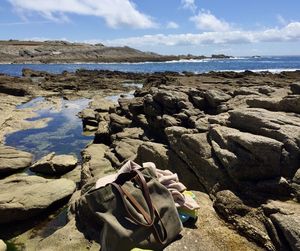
(153, 211)
(145, 190)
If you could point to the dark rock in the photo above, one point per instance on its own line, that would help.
(118, 123)
(246, 220)
(295, 88)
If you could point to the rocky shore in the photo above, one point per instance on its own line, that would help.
(232, 138)
(35, 52)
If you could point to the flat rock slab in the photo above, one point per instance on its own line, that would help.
(12, 160)
(22, 197)
(210, 232)
(54, 164)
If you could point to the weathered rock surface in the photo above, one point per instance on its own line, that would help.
(247, 220)
(210, 232)
(194, 149)
(13, 160)
(295, 88)
(95, 165)
(280, 126)
(3, 246)
(100, 104)
(55, 164)
(246, 156)
(66, 238)
(22, 197)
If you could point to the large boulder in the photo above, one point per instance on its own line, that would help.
(165, 158)
(280, 126)
(95, 165)
(55, 164)
(13, 160)
(22, 197)
(194, 149)
(246, 156)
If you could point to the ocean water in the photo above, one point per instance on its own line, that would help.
(273, 64)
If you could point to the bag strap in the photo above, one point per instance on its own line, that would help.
(150, 218)
(145, 190)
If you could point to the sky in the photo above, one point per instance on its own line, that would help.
(198, 27)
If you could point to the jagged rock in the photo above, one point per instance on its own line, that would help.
(54, 164)
(3, 246)
(87, 114)
(151, 108)
(246, 156)
(193, 148)
(101, 104)
(210, 232)
(280, 126)
(126, 148)
(296, 177)
(286, 218)
(290, 103)
(169, 100)
(295, 88)
(249, 221)
(12, 160)
(168, 121)
(165, 158)
(215, 97)
(102, 134)
(118, 123)
(198, 101)
(136, 106)
(278, 187)
(94, 164)
(22, 197)
(132, 133)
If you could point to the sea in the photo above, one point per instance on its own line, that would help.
(273, 64)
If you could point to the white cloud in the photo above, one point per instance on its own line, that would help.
(172, 25)
(207, 21)
(289, 33)
(116, 13)
(189, 4)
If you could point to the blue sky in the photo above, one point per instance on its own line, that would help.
(233, 27)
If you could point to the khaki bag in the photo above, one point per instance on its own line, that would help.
(136, 210)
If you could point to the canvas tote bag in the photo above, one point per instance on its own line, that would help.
(135, 210)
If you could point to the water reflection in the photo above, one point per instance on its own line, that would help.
(62, 135)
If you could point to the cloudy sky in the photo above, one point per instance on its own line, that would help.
(233, 27)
